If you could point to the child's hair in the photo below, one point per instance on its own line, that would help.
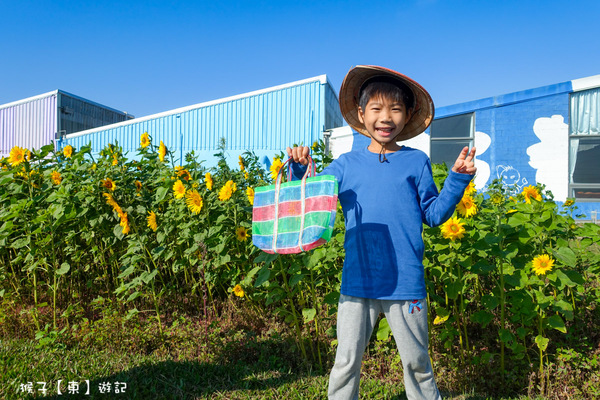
(388, 88)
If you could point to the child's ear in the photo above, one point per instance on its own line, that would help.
(360, 115)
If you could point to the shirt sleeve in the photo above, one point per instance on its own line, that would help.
(436, 207)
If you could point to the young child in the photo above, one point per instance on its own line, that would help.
(387, 192)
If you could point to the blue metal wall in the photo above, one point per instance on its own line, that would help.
(265, 122)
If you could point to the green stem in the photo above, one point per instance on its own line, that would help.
(502, 300)
(54, 290)
(293, 307)
(314, 296)
(502, 316)
(541, 369)
(35, 301)
(155, 298)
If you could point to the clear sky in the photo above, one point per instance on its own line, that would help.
(146, 57)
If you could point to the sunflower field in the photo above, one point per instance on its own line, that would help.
(513, 279)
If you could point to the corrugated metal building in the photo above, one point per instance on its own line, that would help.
(36, 121)
(264, 121)
(548, 135)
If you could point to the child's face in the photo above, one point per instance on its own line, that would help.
(384, 119)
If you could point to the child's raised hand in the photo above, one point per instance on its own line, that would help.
(464, 163)
(299, 154)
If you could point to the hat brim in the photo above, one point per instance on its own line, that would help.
(422, 113)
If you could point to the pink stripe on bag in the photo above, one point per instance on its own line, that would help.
(294, 250)
(293, 208)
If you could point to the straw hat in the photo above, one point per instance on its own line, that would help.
(423, 109)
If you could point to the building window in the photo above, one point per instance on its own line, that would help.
(584, 145)
(448, 137)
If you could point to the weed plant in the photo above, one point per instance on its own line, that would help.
(106, 258)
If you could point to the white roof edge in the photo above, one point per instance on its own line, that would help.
(27, 100)
(321, 78)
(589, 82)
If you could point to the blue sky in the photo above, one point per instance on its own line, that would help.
(146, 57)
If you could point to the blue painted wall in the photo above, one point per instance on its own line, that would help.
(510, 128)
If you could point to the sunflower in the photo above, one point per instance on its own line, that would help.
(162, 151)
(115, 160)
(145, 140)
(17, 156)
(194, 201)
(29, 155)
(208, 181)
(497, 199)
(68, 151)
(531, 192)
(238, 291)
(453, 229)
(569, 203)
(55, 177)
(275, 167)
(250, 194)
(182, 172)
(110, 200)
(151, 218)
(467, 207)
(227, 190)
(138, 186)
(124, 223)
(178, 189)
(241, 163)
(542, 264)
(232, 185)
(241, 234)
(109, 184)
(225, 193)
(315, 146)
(470, 189)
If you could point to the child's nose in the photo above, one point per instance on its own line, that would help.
(385, 115)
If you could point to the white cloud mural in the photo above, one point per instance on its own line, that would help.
(420, 142)
(550, 157)
(482, 143)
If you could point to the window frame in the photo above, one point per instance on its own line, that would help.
(572, 187)
(452, 139)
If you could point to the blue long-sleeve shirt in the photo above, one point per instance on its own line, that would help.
(385, 206)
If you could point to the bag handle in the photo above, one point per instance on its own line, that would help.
(307, 174)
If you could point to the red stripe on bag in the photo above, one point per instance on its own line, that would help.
(295, 250)
(294, 208)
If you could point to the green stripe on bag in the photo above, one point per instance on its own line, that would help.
(292, 224)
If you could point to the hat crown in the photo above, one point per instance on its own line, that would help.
(358, 77)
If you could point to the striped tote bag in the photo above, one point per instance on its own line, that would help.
(294, 216)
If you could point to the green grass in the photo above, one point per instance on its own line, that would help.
(159, 376)
(240, 355)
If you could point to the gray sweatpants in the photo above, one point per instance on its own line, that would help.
(355, 322)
